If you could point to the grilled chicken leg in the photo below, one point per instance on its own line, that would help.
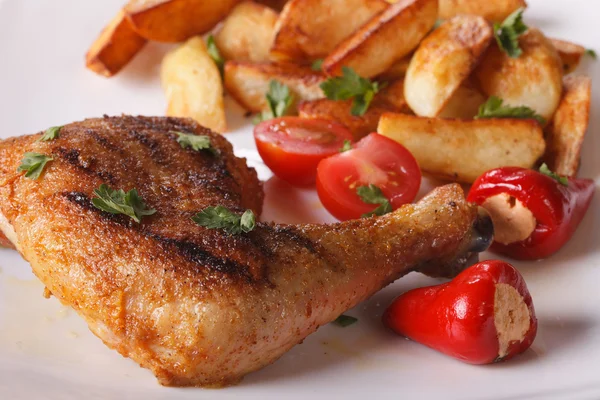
(198, 306)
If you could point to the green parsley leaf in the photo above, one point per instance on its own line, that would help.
(119, 202)
(346, 146)
(437, 24)
(507, 33)
(33, 164)
(220, 217)
(317, 65)
(563, 180)
(195, 142)
(351, 86)
(493, 108)
(591, 53)
(373, 195)
(215, 54)
(345, 320)
(50, 134)
(279, 100)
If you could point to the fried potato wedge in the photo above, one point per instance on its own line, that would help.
(247, 33)
(311, 29)
(443, 61)
(248, 82)
(117, 44)
(566, 131)
(397, 70)
(569, 53)
(462, 150)
(385, 39)
(492, 10)
(464, 103)
(534, 79)
(339, 111)
(176, 20)
(390, 99)
(192, 84)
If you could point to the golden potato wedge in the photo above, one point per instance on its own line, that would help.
(443, 61)
(311, 29)
(192, 84)
(274, 4)
(463, 150)
(566, 131)
(248, 82)
(117, 44)
(176, 20)
(492, 10)
(339, 111)
(534, 79)
(247, 33)
(386, 38)
(390, 99)
(397, 70)
(464, 103)
(569, 53)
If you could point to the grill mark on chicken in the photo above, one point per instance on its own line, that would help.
(72, 156)
(193, 252)
(195, 305)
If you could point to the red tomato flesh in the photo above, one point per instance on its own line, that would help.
(374, 160)
(292, 146)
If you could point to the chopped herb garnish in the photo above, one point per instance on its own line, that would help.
(345, 320)
(373, 195)
(33, 164)
(437, 24)
(507, 33)
(563, 180)
(279, 100)
(220, 217)
(50, 134)
(195, 142)
(346, 146)
(591, 53)
(493, 108)
(119, 202)
(214, 53)
(351, 86)
(317, 64)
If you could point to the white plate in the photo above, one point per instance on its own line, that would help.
(47, 352)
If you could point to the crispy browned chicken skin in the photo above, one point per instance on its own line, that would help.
(198, 306)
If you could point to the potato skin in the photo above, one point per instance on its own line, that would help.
(462, 150)
(443, 61)
(249, 82)
(176, 20)
(192, 84)
(492, 10)
(566, 131)
(385, 39)
(311, 29)
(570, 54)
(114, 48)
(247, 33)
(534, 79)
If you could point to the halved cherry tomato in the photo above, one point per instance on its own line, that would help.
(375, 160)
(292, 146)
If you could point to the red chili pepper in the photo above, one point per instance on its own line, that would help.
(557, 208)
(484, 315)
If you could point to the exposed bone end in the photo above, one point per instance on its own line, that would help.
(513, 222)
(511, 317)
